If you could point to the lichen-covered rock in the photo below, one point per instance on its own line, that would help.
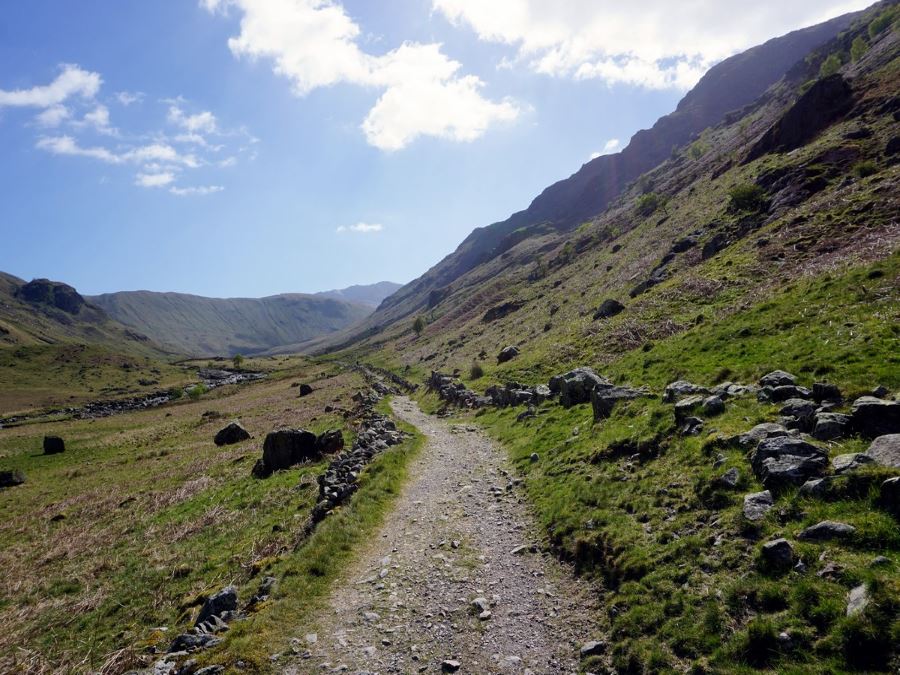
(225, 600)
(850, 462)
(757, 505)
(885, 450)
(680, 388)
(830, 426)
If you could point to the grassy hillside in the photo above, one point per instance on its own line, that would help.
(212, 326)
(768, 241)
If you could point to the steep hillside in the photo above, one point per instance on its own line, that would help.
(769, 240)
(728, 86)
(370, 295)
(213, 326)
(57, 348)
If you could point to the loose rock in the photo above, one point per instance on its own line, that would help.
(873, 417)
(778, 554)
(757, 505)
(230, 434)
(885, 450)
(11, 478)
(53, 445)
(826, 530)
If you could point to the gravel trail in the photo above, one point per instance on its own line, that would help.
(460, 532)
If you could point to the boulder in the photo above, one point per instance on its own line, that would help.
(786, 392)
(53, 445)
(187, 642)
(801, 410)
(885, 450)
(729, 479)
(593, 648)
(330, 442)
(778, 554)
(826, 530)
(225, 600)
(815, 487)
(507, 354)
(713, 405)
(230, 434)
(604, 399)
(727, 390)
(829, 426)
(873, 417)
(305, 390)
(757, 505)
(686, 406)
(889, 495)
(575, 386)
(777, 378)
(679, 388)
(608, 308)
(823, 391)
(784, 461)
(850, 462)
(857, 600)
(11, 478)
(284, 448)
(761, 432)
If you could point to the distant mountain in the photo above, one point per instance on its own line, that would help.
(202, 326)
(370, 295)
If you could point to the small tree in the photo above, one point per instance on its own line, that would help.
(419, 324)
(195, 392)
(747, 198)
(830, 65)
(237, 360)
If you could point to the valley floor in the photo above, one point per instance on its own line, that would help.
(458, 545)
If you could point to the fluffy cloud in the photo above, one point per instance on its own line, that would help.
(203, 122)
(53, 116)
(126, 98)
(314, 44)
(655, 43)
(361, 228)
(72, 81)
(611, 146)
(154, 179)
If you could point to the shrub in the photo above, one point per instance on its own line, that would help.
(858, 48)
(237, 360)
(648, 203)
(881, 22)
(195, 392)
(758, 644)
(175, 393)
(864, 168)
(697, 149)
(476, 371)
(419, 324)
(747, 198)
(830, 65)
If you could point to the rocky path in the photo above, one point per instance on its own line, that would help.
(451, 580)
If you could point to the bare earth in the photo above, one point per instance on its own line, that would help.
(406, 605)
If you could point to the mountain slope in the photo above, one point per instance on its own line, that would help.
(201, 326)
(370, 295)
(730, 85)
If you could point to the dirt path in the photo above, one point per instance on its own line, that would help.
(407, 604)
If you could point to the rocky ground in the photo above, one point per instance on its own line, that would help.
(453, 580)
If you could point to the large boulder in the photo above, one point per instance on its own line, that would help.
(305, 390)
(826, 531)
(231, 434)
(11, 478)
(680, 388)
(686, 406)
(604, 398)
(777, 378)
(830, 426)
(784, 461)
(575, 386)
(757, 505)
(850, 462)
(224, 601)
(285, 448)
(761, 432)
(823, 391)
(778, 554)
(53, 445)
(872, 416)
(330, 442)
(507, 354)
(801, 412)
(608, 308)
(885, 450)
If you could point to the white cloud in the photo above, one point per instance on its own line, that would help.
(362, 228)
(53, 116)
(98, 119)
(654, 43)
(203, 122)
(127, 98)
(154, 179)
(156, 152)
(66, 145)
(72, 81)
(314, 44)
(611, 146)
(200, 191)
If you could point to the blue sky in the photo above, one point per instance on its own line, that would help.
(250, 147)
